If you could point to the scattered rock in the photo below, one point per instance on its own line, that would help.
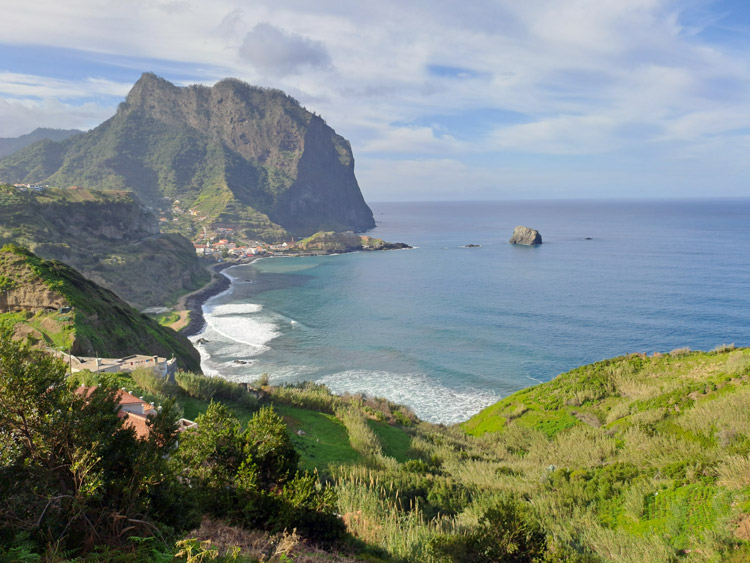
(526, 236)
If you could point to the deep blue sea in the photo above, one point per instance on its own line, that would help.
(448, 330)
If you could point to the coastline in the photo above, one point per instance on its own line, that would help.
(194, 302)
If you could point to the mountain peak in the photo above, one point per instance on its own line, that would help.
(238, 155)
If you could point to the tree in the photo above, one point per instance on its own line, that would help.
(251, 477)
(70, 473)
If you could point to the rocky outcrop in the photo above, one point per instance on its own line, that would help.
(332, 242)
(238, 155)
(525, 236)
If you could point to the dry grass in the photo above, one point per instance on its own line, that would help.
(730, 413)
(734, 472)
(261, 546)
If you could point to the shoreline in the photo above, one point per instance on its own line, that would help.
(195, 301)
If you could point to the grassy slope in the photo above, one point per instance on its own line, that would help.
(631, 459)
(102, 322)
(634, 458)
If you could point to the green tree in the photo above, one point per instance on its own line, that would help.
(70, 472)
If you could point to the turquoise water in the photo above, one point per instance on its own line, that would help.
(449, 330)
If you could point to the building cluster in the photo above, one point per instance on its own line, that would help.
(221, 243)
(30, 187)
(163, 367)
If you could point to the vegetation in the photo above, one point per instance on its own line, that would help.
(75, 482)
(108, 236)
(331, 242)
(75, 313)
(635, 458)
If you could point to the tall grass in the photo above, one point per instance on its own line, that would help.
(372, 515)
(214, 388)
(363, 439)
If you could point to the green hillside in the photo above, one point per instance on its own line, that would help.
(109, 236)
(54, 306)
(637, 458)
(231, 155)
(631, 459)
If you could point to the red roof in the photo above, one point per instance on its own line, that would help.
(131, 420)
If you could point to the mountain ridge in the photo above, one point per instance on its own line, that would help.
(9, 145)
(233, 153)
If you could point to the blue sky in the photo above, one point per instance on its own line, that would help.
(490, 99)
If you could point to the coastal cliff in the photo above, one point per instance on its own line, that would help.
(232, 154)
(110, 237)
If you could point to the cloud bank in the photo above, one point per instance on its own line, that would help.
(608, 97)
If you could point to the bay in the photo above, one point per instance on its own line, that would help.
(448, 330)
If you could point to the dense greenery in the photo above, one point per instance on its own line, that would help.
(631, 459)
(73, 477)
(108, 236)
(98, 321)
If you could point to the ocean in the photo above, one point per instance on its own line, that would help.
(448, 330)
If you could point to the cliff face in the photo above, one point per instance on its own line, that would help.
(115, 220)
(110, 237)
(98, 321)
(234, 153)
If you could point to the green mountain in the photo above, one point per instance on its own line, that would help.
(12, 144)
(55, 306)
(230, 155)
(108, 236)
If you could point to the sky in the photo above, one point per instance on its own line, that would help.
(440, 99)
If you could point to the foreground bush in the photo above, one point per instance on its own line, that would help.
(251, 476)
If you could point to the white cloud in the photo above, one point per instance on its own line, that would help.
(411, 140)
(599, 77)
(278, 52)
(27, 85)
(19, 117)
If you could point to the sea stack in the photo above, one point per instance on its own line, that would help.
(526, 236)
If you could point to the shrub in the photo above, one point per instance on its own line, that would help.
(151, 382)
(507, 532)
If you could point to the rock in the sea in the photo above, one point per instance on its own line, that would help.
(525, 235)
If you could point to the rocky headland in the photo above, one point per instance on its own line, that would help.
(233, 154)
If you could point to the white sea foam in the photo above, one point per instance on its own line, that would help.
(231, 277)
(235, 309)
(242, 323)
(430, 400)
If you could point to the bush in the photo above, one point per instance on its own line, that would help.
(250, 477)
(507, 532)
(151, 382)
